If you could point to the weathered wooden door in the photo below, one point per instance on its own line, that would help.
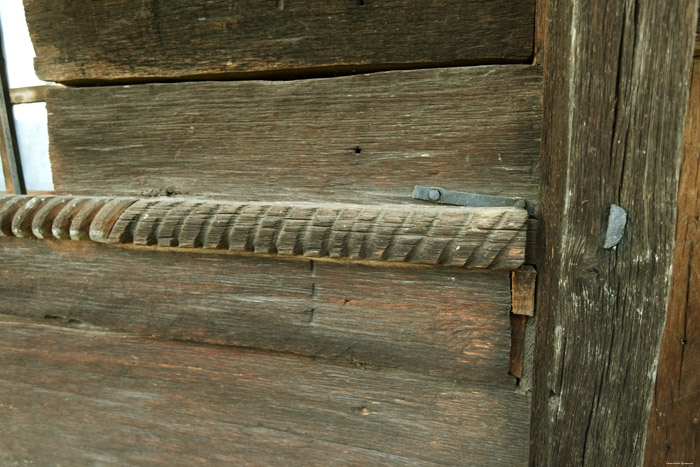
(233, 267)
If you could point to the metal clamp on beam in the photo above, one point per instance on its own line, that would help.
(459, 198)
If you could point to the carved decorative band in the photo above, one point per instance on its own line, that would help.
(452, 236)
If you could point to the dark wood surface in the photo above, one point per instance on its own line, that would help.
(517, 344)
(431, 319)
(616, 79)
(365, 139)
(84, 396)
(696, 53)
(674, 424)
(133, 39)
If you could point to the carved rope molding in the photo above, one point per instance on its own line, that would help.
(491, 238)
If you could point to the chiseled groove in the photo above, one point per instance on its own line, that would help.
(255, 227)
(23, 218)
(108, 217)
(348, 239)
(484, 244)
(325, 238)
(303, 232)
(80, 225)
(449, 253)
(148, 229)
(388, 252)
(354, 232)
(224, 241)
(504, 250)
(277, 231)
(60, 228)
(203, 235)
(178, 227)
(498, 262)
(43, 219)
(173, 239)
(368, 238)
(8, 209)
(194, 224)
(415, 255)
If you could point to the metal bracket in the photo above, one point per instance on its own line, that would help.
(459, 198)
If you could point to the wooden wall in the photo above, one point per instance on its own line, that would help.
(156, 352)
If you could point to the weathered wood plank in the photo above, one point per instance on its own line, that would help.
(82, 396)
(29, 94)
(131, 39)
(364, 139)
(439, 320)
(492, 238)
(616, 77)
(517, 344)
(674, 424)
(523, 284)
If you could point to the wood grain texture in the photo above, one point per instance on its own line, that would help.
(674, 424)
(492, 238)
(29, 94)
(696, 53)
(365, 139)
(517, 344)
(523, 285)
(133, 39)
(79, 396)
(445, 321)
(616, 84)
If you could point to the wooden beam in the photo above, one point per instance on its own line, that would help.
(490, 238)
(83, 396)
(130, 39)
(30, 94)
(616, 87)
(674, 423)
(364, 139)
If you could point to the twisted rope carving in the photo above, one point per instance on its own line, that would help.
(452, 236)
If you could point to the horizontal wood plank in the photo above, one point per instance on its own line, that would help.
(79, 396)
(30, 94)
(365, 139)
(492, 238)
(132, 39)
(445, 321)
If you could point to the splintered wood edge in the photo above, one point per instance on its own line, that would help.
(490, 238)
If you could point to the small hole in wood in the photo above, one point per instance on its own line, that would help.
(361, 2)
(358, 149)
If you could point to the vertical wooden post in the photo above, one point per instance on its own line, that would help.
(616, 80)
(674, 423)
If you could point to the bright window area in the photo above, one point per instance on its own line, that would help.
(30, 119)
